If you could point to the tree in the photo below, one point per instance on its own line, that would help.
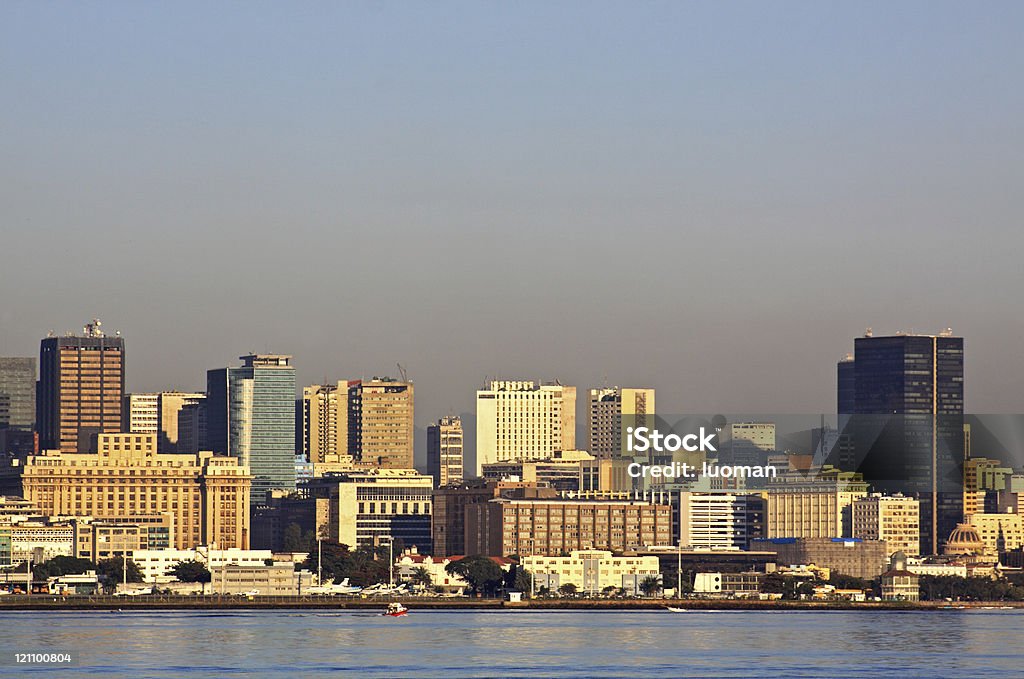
(421, 577)
(482, 574)
(523, 581)
(650, 585)
(62, 565)
(112, 570)
(567, 590)
(609, 591)
(191, 571)
(363, 566)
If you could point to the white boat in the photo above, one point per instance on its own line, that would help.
(673, 609)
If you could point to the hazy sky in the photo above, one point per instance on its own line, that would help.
(711, 199)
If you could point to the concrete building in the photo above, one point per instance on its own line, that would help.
(813, 507)
(999, 532)
(436, 567)
(1011, 498)
(371, 507)
(156, 563)
(610, 475)
(41, 540)
(283, 509)
(324, 421)
(740, 585)
(562, 471)
(984, 479)
(611, 411)
(98, 539)
(591, 571)
(898, 583)
(859, 558)
(519, 420)
(182, 422)
(278, 579)
(207, 495)
(448, 521)
(525, 526)
(380, 428)
(141, 413)
(748, 443)
(719, 520)
(893, 518)
(81, 389)
(17, 394)
(251, 416)
(445, 451)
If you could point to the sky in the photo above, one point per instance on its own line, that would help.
(712, 199)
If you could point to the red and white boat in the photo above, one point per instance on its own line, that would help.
(396, 610)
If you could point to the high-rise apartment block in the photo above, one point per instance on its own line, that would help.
(325, 414)
(893, 518)
(17, 393)
(908, 423)
(611, 412)
(720, 521)
(207, 496)
(81, 388)
(444, 451)
(141, 413)
(251, 416)
(519, 420)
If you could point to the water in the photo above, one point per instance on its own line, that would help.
(523, 643)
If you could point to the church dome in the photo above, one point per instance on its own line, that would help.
(964, 540)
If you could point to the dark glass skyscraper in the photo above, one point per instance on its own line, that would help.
(908, 423)
(18, 393)
(251, 416)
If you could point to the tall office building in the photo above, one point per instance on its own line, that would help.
(324, 409)
(444, 451)
(251, 416)
(81, 388)
(380, 425)
(846, 382)
(908, 425)
(611, 412)
(17, 393)
(519, 420)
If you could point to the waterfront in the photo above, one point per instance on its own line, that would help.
(979, 643)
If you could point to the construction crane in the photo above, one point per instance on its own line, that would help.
(401, 371)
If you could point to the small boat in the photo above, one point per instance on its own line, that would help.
(395, 610)
(673, 609)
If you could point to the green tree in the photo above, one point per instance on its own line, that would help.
(650, 585)
(567, 590)
(62, 565)
(522, 581)
(841, 581)
(482, 574)
(292, 539)
(191, 571)
(609, 591)
(112, 570)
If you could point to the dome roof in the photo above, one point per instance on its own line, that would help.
(964, 540)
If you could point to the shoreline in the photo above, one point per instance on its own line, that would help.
(38, 602)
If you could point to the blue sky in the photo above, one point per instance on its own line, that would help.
(710, 198)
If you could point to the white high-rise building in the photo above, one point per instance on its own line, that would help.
(612, 411)
(720, 520)
(142, 413)
(519, 420)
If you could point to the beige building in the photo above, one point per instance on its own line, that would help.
(207, 496)
(606, 475)
(548, 526)
(819, 506)
(142, 413)
(981, 476)
(445, 451)
(591, 571)
(325, 421)
(519, 420)
(999, 532)
(893, 518)
(381, 422)
(865, 559)
(370, 507)
(611, 411)
(161, 414)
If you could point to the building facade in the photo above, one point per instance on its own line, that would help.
(17, 393)
(859, 558)
(207, 495)
(324, 421)
(81, 389)
(591, 571)
(251, 416)
(815, 507)
(611, 411)
(519, 420)
(726, 521)
(445, 451)
(896, 519)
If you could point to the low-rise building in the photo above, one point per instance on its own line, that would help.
(437, 568)
(591, 571)
(856, 557)
(999, 532)
(155, 564)
(898, 583)
(728, 584)
(260, 580)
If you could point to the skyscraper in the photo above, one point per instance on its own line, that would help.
(612, 411)
(444, 451)
(251, 416)
(908, 425)
(81, 388)
(17, 393)
(380, 425)
(518, 420)
(324, 409)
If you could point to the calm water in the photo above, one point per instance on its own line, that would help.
(525, 644)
